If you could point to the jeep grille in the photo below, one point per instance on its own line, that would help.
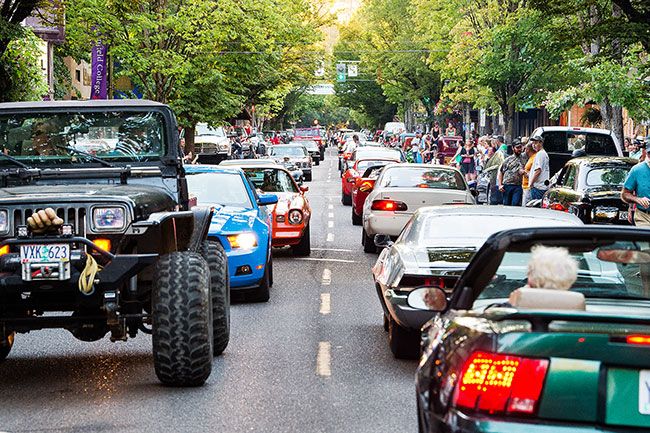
(70, 214)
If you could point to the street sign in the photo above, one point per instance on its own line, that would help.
(340, 72)
(353, 70)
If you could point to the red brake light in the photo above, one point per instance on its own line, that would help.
(388, 205)
(501, 383)
(560, 207)
(638, 339)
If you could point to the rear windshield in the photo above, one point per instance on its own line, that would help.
(367, 163)
(422, 177)
(271, 179)
(620, 270)
(607, 176)
(294, 151)
(569, 141)
(225, 189)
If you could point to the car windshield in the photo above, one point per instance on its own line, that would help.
(607, 176)
(204, 129)
(115, 136)
(225, 189)
(620, 270)
(310, 145)
(422, 177)
(291, 151)
(271, 179)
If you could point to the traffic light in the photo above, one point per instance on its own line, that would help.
(340, 72)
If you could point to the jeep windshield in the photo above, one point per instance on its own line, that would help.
(50, 139)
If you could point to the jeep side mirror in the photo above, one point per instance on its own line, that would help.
(428, 299)
(267, 199)
(383, 241)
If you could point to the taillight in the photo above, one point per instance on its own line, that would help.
(501, 383)
(347, 155)
(638, 339)
(388, 205)
(559, 206)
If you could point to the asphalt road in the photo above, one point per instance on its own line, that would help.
(314, 358)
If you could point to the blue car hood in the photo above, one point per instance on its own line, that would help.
(231, 219)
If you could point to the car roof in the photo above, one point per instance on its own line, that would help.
(477, 211)
(286, 145)
(259, 164)
(604, 160)
(413, 165)
(210, 168)
(576, 129)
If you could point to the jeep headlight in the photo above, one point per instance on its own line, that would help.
(245, 241)
(109, 218)
(4, 221)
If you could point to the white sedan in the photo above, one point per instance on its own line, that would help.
(401, 189)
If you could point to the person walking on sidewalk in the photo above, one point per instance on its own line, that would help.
(636, 189)
(509, 177)
(525, 185)
(540, 172)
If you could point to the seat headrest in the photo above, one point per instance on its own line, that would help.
(547, 299)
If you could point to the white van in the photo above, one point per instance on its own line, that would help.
(394, 127)
(561, 141)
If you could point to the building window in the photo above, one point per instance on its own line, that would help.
(77, 75)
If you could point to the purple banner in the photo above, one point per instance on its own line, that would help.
(99, 72)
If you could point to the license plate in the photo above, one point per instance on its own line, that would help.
(644, 392)
(52, 253)
(622, 216)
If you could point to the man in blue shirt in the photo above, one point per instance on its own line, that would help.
(637, 190)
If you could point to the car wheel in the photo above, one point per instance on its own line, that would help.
(270, 270)
(317, 161)
(404, 343)
(346, 199)
(308, 177)
(385, 323)
(368, 243)
(181, 316)
(263, 293)
(5, 345)
(304, 247)
(215, 255)
(356, 219)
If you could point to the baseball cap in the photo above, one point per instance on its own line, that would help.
(537, 137)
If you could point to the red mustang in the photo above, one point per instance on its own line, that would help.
(362, 187)
(350, 175)
(292, 213)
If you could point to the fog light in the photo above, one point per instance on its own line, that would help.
(243, 270)
(66, 230)
(4, 250)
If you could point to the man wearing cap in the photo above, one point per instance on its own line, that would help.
(509, 177)
(540, 172)
(636, 189)
(500, 153)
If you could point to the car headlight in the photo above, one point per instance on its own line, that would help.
(245, 241)
(295, 216)
(4, 221)
(109, 218)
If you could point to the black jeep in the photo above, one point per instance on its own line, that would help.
(97, 234)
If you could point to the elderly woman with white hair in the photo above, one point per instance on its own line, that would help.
(551, 273)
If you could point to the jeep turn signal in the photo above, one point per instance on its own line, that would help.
(104, 244)
(4, 250)
(497, 383)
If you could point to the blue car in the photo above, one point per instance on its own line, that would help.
(241, 224)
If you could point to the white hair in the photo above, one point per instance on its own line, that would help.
(551, 268)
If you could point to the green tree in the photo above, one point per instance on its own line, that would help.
(21, 62)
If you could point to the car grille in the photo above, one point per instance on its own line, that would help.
(75, 215)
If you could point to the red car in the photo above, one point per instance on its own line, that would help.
(447, 147)
(351, 174)
(316, 134)
(362, 187)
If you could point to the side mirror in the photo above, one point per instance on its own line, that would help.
(304, 188)
(428, 299)
(383, 241)
(351, 180)
(267, 199)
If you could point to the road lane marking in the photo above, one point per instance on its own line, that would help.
(316, 259)
(340, 250)
(330, 206)
(326, 280)
(328, 180)
(330, 224)
(325, 304)
(324, 359)
(330, 215)
(330, 237)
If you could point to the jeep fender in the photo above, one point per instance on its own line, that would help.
(165, 232)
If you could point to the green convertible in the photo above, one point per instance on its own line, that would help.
(502, 357)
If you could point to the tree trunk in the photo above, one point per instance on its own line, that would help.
(5, 83)
(509, 113)
(467, 120)
(612, 118)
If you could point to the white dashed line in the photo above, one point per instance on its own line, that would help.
(330, 237)
(330, 206)
(316, 259)
(340, 250)
(326, 280)
(324, 359)
(325, 304)
(330, 215)
(330, 224)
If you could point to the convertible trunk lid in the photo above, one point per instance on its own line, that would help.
(597, 373)
(416, 198)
